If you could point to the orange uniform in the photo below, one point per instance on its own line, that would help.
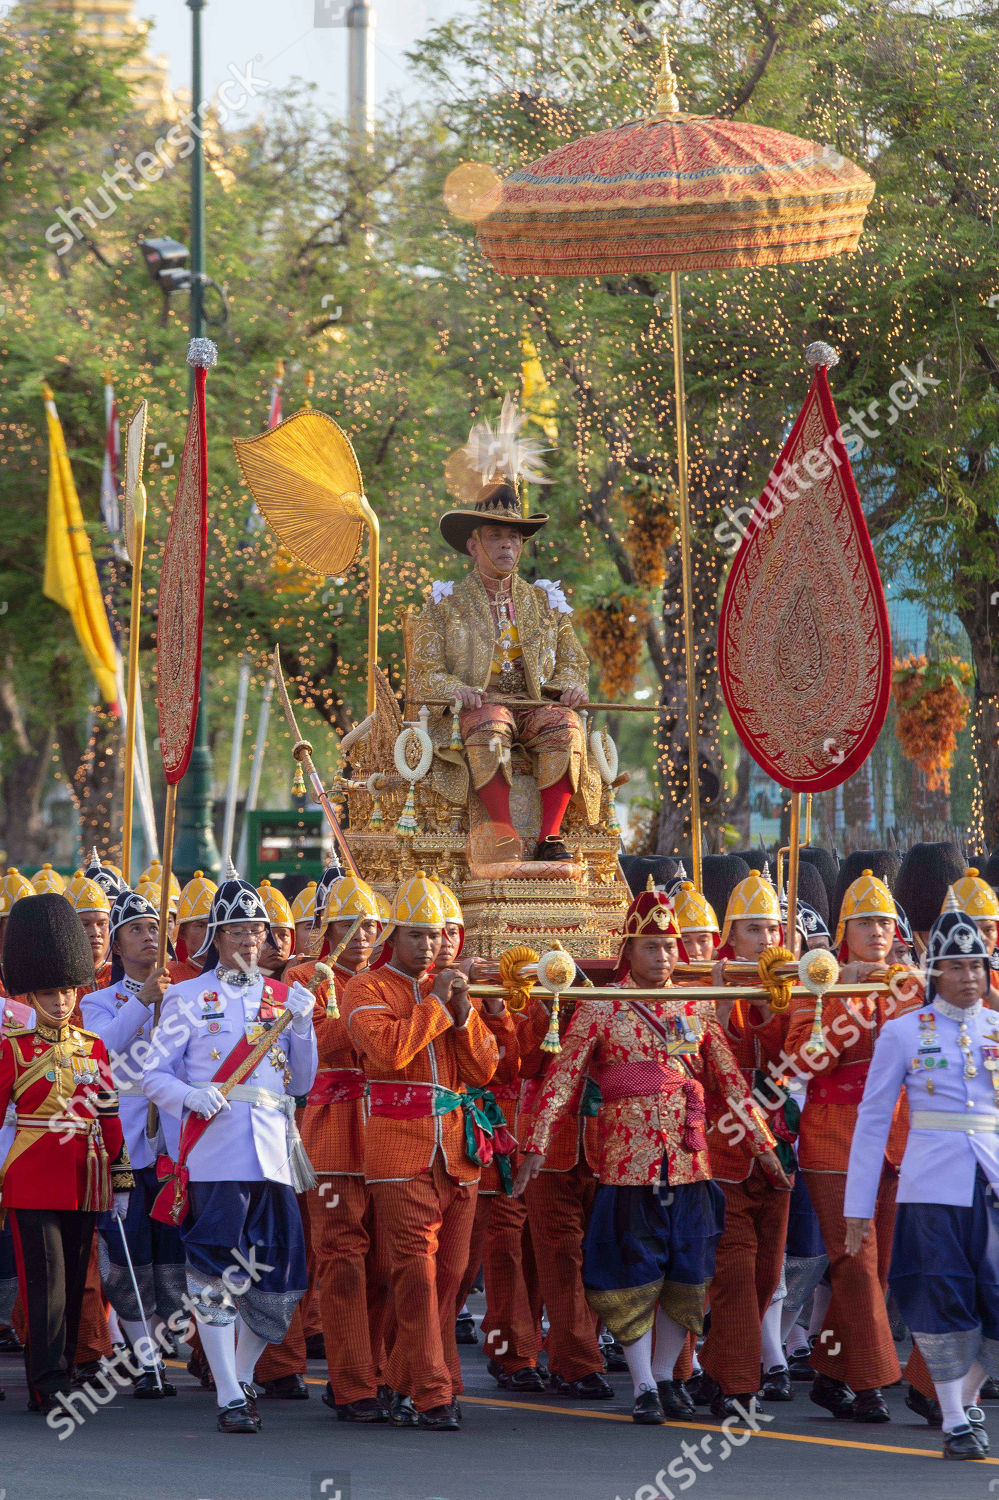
(418, 1063)
(558, 1202)
(353, 1277)
(859, 1349)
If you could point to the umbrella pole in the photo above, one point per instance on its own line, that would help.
(139, 514)
(685, 565)
(374, 532)
(794, 842)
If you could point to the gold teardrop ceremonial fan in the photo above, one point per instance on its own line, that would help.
(306, 480)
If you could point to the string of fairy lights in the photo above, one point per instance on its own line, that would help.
(745, 380)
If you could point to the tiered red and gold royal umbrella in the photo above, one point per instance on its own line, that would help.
(676, 192)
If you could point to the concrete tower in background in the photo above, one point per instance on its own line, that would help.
(361, 22)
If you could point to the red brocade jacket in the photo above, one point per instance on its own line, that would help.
(652, 1110)
(69, 1150)
(573, 1138)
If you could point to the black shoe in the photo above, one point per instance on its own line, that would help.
(776, 1385)
(146, 1387)
(588, 1388)
(238, 1418)
(647, 1410)
(989, 1390)
(199, 1367)
(464, 1330)
(315, 1346)
(455, 1407)
(741, 1406)
(367, 1409)
(976, 1417)
(552, 847)
(439, 1419)
(835, 1395)
(799, 1365)
(285, 1388)
(702, 1389)
(924, 1406)
(870, 1406)
(961, 1442)
(88, 1371)
(402, 1412)
(527, 1379)
(9, 1342)
(675, 1401)
(251, 1392)
(614, 1360)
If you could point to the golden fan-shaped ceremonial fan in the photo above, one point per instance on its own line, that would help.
(135, 448)
(306, 480)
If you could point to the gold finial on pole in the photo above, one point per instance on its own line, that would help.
(667, 99)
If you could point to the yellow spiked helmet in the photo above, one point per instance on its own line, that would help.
(303, 908)
(693, 912)
(86, 895)
(975, 897)
(351, 897)
(752, 897)
(14, 885)
(47, 880)
(195, 902)
(278, 911)
(418, 903)
(867, 896)
(151, 880)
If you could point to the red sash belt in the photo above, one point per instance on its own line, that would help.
(411, 1101)
(636, 1080)
(337, 1086)
(844, 1086)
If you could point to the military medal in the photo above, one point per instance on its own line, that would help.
(990, 1059)
(964, 1042)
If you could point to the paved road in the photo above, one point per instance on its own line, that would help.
(509, 1448)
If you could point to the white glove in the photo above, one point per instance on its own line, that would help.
(206, 1102)
(301, 1003)
(120, 1205)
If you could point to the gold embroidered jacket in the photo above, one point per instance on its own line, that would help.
(453, 646)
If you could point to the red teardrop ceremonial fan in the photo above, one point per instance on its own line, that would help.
(804, 650)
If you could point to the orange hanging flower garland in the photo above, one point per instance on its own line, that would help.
(933, 705)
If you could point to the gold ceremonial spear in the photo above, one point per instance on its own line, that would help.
(135, 535)
(302, 751)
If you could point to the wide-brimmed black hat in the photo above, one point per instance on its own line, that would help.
(497, 506)
(45, 946)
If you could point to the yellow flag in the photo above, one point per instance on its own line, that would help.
(70, 574)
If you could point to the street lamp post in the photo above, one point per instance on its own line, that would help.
(195, 847)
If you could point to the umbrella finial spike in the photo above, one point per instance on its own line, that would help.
(667, 99)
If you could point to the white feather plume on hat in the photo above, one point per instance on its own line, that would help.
(501, 453)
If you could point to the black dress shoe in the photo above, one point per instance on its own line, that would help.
(286, 1388)
(976, 1417)
(455, 1407)
(146, 1387)
(647, 1410)
(315, 1346)
(924, 1406)
(740, 1406)
(835, 1395)
(251, 1393)
(9, 1342)
(527, 1379)
(367, 1409)
(989, 1390)
(402, 1412)
(702, 1389)
(777, 1385)
(238, 1418)
(799, 1365)
(588, 1388)
(552, 848)
(961, 1442)
(464, 1330)
(614, 1360)
(675, 1400)
(870, 1406)
(439, 1419)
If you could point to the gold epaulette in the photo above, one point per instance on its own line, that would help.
(19, 1031)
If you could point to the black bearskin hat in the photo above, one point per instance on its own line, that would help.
(927, 872)
(45, 946)
(638, 867)
(812, 891)
(827, 865)
(720, 874)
